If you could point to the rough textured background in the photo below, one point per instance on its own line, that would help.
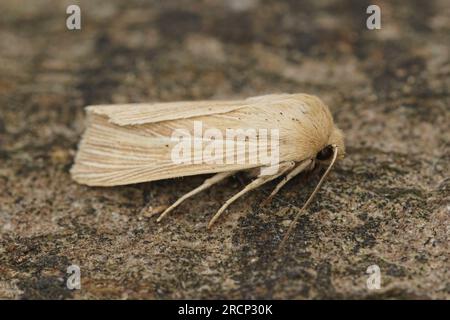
(387, 203)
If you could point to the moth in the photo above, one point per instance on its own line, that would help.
(133, 143)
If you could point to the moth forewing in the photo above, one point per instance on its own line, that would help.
(280, 134)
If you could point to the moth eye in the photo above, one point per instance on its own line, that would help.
(325, 153)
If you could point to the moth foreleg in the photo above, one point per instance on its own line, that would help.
(284, 167)
(205, 185)
(297, 170)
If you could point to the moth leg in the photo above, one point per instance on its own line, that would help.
(259, 181)
(297, 170)
(205, 185)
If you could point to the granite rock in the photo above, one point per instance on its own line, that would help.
(386, 204)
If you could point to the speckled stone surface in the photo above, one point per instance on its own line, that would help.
(387, 203)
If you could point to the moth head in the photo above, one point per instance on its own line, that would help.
(336, 140)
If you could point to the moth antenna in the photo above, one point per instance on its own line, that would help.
(316, 189)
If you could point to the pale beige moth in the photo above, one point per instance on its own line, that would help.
(133, 143)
